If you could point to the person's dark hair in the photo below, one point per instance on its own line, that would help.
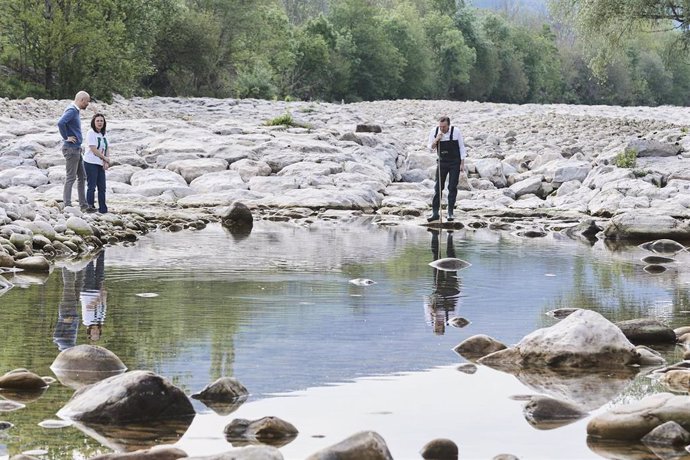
(444, 120)
(93, 123)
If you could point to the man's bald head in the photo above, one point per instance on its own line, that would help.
(82, 99)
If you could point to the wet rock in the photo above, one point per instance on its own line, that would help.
(22, 379)
(246, 453)
(6, 260)
(585, 339)
(654, 269)
(667, 434)
(676, 380)
(223, 389)
(136, 396)
(505, 457)
(657, 260)
(633, 421)
(450, 264)
(54, 424)
(154, 453)
(467, 368)
(477, 346)
(561, 313)
(440, 449)
(458, 322)
(638, 226)
(5, 425)
(33, 264)
(663, 246)
(9, 406)
(366, 445)
(649, 357)
(223, 396)
(86, 364)
(647, 330)
(237, 217)
(546, 413)
(681, 330)
(268, 430)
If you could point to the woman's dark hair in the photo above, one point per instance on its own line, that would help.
(93, 123)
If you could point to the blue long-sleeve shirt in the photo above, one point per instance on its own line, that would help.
(69, 124)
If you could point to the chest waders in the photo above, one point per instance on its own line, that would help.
(448, 165)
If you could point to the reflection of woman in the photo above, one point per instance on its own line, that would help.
(93, 298)
(96, 162)
(444, 298)
(65, 335)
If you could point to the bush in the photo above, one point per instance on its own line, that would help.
(626, 159)
(284, 120)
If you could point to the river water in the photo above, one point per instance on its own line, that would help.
(276, 309)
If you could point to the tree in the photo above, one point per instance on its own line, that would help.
(404, 27)
(608, 23)
(454, 58)
(377, 65)
(67, 46)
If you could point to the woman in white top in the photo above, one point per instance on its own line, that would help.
(96, 162)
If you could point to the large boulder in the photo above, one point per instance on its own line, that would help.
(585, 339)
(136, 396)
(643, 226)
(366, 445)
(630, 422)
(86, 364)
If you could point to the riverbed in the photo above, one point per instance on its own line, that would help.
(278, 310)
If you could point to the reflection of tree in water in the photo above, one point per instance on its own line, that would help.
(444, 298)
(611, 287)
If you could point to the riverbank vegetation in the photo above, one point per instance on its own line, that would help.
(346, 50)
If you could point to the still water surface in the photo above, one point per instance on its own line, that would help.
(276, 310)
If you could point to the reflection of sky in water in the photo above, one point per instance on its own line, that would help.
(276, 310)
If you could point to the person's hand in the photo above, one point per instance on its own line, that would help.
(72, 139)
(106, 165)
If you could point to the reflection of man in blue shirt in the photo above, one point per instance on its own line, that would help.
(93, 297)
(65, 335)
(444, 298)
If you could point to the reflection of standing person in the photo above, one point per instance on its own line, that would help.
(69, 125)
(65, 335)
(93, 298)
(447, 141)
(96, 162)
(444, 298)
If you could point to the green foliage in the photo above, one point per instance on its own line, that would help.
(626, 159)
(286, 120)
(255, 82)
(346, 50)
(377, 64)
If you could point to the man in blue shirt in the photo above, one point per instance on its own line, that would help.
(70, 130)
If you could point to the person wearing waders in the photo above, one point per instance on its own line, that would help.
(446, 141)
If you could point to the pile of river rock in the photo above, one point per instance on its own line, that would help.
(179, 162)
